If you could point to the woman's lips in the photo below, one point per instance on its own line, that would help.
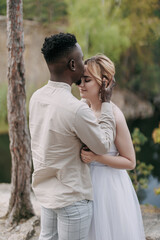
(81, 90)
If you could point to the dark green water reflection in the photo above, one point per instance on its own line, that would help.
(150, 154)
(5, 159)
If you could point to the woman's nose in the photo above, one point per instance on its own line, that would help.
(82, 83)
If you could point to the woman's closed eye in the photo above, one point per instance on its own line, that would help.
(87, 79)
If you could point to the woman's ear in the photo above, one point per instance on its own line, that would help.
(71, 65)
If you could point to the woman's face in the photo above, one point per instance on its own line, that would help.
(89, 88)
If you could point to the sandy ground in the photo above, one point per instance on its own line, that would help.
(23, 231)
(4, 199)
(30, 229)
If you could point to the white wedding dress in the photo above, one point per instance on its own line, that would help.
(116, 214)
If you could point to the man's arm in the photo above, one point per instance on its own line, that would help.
(96, 136)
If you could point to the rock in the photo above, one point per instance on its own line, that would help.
(36, 72)
(24, 231)
(131, 105)
(151, 220)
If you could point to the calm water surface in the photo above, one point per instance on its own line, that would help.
(150, 154)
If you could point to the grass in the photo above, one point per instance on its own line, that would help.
(3, 108)
(3, 128)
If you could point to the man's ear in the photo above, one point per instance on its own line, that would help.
(71, 65)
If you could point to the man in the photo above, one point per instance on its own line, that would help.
(59, 124)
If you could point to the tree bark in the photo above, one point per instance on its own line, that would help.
(20, 205)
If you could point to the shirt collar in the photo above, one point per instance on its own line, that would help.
(59, 85)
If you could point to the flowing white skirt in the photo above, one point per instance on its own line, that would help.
(117, 214)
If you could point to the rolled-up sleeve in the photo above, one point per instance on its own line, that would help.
(97, 136)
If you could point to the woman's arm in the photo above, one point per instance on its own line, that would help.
(126, 158)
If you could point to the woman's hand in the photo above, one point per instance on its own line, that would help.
(106, 92)
(88, 156)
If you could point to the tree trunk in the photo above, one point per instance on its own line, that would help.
(20, 205)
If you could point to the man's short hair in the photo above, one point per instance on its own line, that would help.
(57, 46)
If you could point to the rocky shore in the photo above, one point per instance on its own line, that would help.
(30, 229)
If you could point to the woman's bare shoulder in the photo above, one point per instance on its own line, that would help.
(119, 116)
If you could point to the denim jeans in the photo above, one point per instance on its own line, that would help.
(68, 223)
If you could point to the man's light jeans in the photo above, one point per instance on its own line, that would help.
(69, 223)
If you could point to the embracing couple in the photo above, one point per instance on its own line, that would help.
(81, 150)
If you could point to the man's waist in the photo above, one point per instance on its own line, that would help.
(56, 193)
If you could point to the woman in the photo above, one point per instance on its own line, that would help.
(117, 214)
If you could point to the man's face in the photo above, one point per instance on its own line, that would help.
(79, 65)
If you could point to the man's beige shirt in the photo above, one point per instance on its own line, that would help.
(59, 124)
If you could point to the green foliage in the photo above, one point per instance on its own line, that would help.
(44, 11)
(157, 191)
(99, 27)
(3, 7)
(144, 22)
(126, 31)
(143, 53)
(156, 139)
(140, 75)
(138, 139)
(140, 174)
(3, 107)
(156, 135)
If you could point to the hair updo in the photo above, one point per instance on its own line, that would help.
(100, 67)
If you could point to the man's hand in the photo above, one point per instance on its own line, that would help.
(106, 92)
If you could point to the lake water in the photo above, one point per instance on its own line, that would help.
(150, 154)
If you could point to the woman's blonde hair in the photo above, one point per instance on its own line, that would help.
(100, 67)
